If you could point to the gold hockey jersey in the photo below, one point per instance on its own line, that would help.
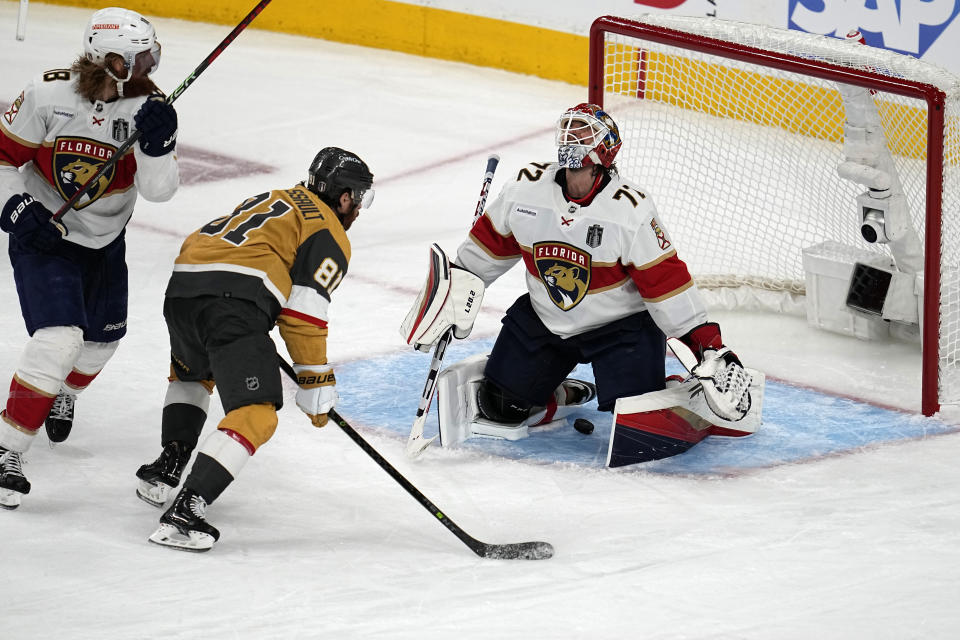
(284, 250)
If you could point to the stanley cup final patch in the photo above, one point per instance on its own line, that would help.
(121, 130)
(75, 161)
(564, 271)
(594, 236)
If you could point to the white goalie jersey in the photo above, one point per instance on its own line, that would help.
(60, 140)
(586, 266)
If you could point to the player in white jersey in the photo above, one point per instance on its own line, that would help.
(605, 285)
(71, 274)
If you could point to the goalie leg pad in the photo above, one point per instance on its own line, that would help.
(665, 423)
(499, 406)
(457, 409)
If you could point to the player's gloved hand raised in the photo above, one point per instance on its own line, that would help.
(157, 122)
(31, 223)
(318, 391)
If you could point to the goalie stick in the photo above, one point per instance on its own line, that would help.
(416, 443)
(22, 20)
(511, 551)
(112, 160)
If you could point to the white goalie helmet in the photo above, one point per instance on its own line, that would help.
(587, 136)
(123, 32)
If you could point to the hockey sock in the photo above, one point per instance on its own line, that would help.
(208, 478)
(27, 407)
(183, 423)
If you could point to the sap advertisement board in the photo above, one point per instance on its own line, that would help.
(928, 29)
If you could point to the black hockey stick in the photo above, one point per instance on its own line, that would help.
(112, 160)
(416, 443)
(513, 551)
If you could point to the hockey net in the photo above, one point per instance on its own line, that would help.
(738, 130)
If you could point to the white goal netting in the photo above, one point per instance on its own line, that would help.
(740, 149)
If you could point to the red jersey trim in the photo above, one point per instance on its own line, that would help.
(661, 280)
(303, 316)
(490, 240)
(15, 151)
(246, 444)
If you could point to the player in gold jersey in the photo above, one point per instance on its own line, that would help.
(276, 260)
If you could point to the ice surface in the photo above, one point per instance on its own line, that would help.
(839, 521)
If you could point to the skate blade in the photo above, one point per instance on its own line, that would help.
(167, 535)
(9, 499)
(154, 494)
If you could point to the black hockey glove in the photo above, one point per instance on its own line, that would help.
(157, 122)
(30, 223)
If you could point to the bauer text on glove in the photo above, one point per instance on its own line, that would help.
(31, 223)
(317, 394)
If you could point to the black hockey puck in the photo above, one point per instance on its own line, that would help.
(583, 426)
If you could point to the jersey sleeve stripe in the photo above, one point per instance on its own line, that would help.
(309, 304)
(669, 294)
(664, 279)
(306, 318)
(15, 151)
(672, 254)
(489, 239)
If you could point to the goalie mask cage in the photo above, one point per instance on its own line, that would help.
(738, 129)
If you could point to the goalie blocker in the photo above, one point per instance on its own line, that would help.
(450, 299)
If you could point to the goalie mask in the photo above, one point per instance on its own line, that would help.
(334, 171)
(123, 32)
(587, 136)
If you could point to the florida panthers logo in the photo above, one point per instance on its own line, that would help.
(75, 161)
(565, 272)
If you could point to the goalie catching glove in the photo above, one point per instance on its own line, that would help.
(726, 384)
(318, 391)
(450, 299)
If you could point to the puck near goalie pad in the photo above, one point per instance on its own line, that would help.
(665, 423)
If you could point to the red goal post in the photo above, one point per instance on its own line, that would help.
(737, 130)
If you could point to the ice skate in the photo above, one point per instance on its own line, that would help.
(59, 421)
(578, 392)
(13, 484)
(183, 526)
(161, 476)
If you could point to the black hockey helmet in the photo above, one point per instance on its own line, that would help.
(334, 171)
